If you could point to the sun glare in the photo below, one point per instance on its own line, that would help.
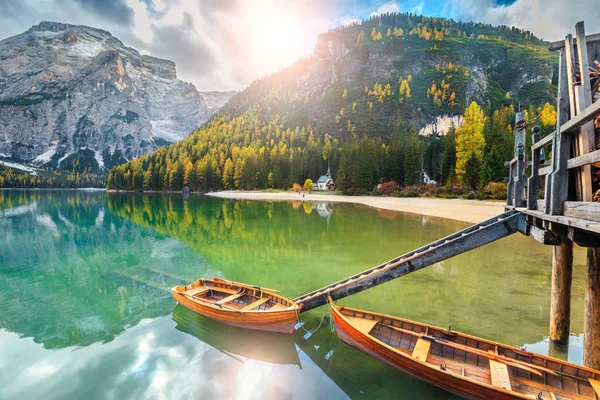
(278, 36)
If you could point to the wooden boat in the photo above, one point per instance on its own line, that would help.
(238, 304)
(465, 365)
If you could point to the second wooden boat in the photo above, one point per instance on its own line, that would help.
(462, 364)
(238, 304)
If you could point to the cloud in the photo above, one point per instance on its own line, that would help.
(390, 7)
(549, 19)
(114, 10)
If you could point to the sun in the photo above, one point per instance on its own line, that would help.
(277, 36)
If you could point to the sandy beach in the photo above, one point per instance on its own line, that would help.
(462, 210)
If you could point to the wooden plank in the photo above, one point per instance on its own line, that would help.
(196, 291)
(421, 350)
(533, 184)
(255, 304)
(229, 298)
(578, 223)
(277, 306)
(560, 44)
(596, 386)
(545, 171)
(362, 324)
(585, 145)
(584, 210)
(586, 159)
(570, 58)
(472, 237)
(544, 236)
(499, 374)
(581, 119)
(545, 141)
(557, 183)
(584, 64)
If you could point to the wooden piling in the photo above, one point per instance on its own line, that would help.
(591, 325)
(560, 306)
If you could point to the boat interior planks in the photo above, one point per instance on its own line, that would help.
(471, 367)
(238, 304)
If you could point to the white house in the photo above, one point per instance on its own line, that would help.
(325, 182)
(427, 180)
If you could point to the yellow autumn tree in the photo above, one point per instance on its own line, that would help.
(469, 138)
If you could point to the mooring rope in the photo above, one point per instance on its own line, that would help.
(331, 325)
(302, 323)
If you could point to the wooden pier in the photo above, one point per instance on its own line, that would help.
(565, 167)
(554, 198)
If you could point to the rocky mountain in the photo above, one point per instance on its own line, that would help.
(357, 105)
(73, 96)
(405, 69)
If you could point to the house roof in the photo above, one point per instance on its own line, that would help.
(323, 179)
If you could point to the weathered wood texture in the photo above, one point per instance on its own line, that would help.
(460, 363)
(557, 181)
(560, 44)
(577, 223)
(475, 236)
(560, 306)
(519, 184)
(591, 325)
(583, 210)
(533, 184)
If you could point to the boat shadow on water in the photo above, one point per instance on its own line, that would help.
(268, 347)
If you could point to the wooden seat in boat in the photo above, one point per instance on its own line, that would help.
(229, 298)
(421, 350)
(363, 325)
(224, 290)
(196, 291)
(499, 374)
(596, 386)
(255, 304)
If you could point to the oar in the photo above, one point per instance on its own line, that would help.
(496, 357)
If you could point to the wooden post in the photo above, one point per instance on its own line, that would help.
(583, 96)
(533, 186)
(557, 181)
(591, 324)
(519, 184)
(560, 306)
(510, 188)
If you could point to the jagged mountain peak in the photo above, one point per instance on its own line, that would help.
(68, 90)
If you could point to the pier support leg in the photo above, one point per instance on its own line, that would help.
(591, 324)
(560, 307)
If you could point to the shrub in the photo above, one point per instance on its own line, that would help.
(388, 188)
(496, 190)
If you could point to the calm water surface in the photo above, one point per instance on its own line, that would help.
(85, 310)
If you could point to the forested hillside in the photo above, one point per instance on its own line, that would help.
(358, 105)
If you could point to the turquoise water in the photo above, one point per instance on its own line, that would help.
(85, 309)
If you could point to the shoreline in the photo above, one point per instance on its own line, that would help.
(473, 211)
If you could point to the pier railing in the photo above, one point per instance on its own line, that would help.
(561, 163)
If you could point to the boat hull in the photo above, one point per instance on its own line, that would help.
(269, 321)
(442, 379)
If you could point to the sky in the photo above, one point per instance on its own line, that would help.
(226, 44)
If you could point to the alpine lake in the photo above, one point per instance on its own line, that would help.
(86, 311)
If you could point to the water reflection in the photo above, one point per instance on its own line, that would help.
(84, 299)
(236, 342)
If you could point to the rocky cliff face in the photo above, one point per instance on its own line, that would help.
(70, 92)
(340, 86)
